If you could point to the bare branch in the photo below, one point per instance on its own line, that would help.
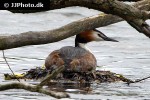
(35, 38)
(33, 88)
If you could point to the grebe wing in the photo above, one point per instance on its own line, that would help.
(54, 60)
(84, 63)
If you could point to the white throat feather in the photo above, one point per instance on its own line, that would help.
(82, 45)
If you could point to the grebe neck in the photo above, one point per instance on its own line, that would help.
(82, 45)
(81, 42)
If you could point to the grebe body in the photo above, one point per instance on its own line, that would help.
(75, 59)
(78, 58)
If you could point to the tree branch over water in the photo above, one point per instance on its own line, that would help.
(132, 15)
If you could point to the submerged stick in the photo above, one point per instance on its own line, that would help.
(52, 75)
(138, 80)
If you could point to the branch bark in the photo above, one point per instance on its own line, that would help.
(35, 38)
(130, 0)
(33, 11)
(132, 15)
(33, 88)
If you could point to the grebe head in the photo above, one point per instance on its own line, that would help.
(89, 36)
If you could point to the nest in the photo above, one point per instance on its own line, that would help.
(71, 77)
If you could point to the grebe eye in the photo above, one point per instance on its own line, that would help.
(99, 35)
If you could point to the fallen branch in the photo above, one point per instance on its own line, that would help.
(43, 37)
(33, 88)
(38, 88)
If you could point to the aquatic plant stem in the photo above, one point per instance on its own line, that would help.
(9, 65)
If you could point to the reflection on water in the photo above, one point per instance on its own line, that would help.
(130, 56)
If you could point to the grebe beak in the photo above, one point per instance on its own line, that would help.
(104, 37)
(109, 39)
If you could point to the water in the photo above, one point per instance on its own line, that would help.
(130, 56)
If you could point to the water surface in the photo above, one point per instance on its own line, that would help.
(130, 56)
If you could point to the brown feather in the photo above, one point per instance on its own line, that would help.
(87, 35)
(84, 63)
(75, 59)
(53, 60)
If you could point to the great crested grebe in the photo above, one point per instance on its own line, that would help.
(78, 58)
